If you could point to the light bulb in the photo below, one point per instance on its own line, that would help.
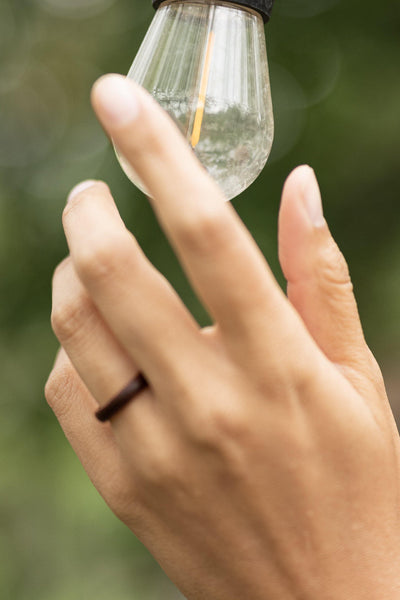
(205, 62)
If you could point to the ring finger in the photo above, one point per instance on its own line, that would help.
(106, 368)
(92, 348)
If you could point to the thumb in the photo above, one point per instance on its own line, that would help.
(319, 284)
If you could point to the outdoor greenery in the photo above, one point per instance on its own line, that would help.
(336, 88)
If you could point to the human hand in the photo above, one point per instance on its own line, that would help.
(263, 462)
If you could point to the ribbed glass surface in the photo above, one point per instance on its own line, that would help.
(206, 64)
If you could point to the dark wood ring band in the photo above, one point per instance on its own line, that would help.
(130, 392)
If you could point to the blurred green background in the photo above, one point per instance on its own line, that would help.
(335, 71)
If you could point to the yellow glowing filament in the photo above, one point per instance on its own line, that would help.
(198, 120)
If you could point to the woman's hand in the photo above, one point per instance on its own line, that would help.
(263, 462)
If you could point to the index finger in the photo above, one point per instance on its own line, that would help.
(221, 258)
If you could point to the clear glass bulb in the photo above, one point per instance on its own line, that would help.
(205, 62)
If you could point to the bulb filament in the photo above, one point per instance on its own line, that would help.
(201, 103)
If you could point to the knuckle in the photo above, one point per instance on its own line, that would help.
(303, 372)
(160, 469)
(299, 374)
(301, 381)
(103, 259)
(208, 230)
(226, 435)
(228, 424)
(292, 366)
(219, 426)
(67, 317)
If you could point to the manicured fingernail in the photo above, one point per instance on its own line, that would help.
(80, 188)
(116, 98)
(313, 201)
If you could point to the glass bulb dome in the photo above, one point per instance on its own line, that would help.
(205, 62)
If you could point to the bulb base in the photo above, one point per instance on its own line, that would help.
(264, 7)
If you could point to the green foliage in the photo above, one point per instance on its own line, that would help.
(336, 88)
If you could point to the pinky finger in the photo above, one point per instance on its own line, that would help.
(93, 442)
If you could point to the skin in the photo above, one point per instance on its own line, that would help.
(263, 462)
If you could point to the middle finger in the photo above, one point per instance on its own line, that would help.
(222, 260)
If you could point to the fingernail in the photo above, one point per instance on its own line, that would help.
(313, 200)
(80, 188)
(116, 97)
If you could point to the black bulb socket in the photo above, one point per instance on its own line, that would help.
(264, 7)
